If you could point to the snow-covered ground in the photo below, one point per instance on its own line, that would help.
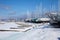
(38, 32)
(16, 26)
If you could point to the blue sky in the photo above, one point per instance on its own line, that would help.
(20, 7)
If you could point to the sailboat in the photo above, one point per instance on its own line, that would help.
(55, 17)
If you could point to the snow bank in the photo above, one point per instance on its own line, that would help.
(7, 25)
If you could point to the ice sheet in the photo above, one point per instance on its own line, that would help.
(35, 33)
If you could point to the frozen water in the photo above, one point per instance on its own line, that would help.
(8, 25)
(35, 33)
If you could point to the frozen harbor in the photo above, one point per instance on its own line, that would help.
(38, 32)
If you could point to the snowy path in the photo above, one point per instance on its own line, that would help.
(36, 33)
